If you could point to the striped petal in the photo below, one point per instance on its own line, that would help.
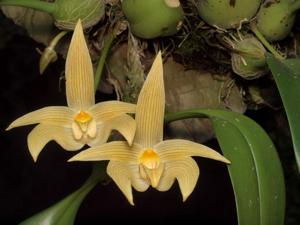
(43, 133)
(102, 135)
(108, 110)
(79, 73)
(116, 151)
(121, 176)
(186, 171)
(151, 106)
(124, 124)
(125, 176)
(56, 115)
(177, 149)
(167, 180)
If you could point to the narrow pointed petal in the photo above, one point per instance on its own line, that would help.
(121, 176)
(186, 171)
(151, 107)
(116, 151)
(124, 124)
(79, 73)
(42, 134)
(108, 110)
(177, 149)
(126, 176)
(58, 115)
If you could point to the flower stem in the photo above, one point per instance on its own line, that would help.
(97, 175)
(49, 55)
(186, 114)
(264, 41)
(57, 38)
(98, 172)
(107, 43)
(33, 4)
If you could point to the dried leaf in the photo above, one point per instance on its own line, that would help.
(186, 89)
(38, 24)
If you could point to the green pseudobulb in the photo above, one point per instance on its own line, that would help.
(65, 13)
(153, 18)
(248, 60)
(68, 12)
(275, 19)
(227, 14)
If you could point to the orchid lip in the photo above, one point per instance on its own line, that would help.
(84, 126)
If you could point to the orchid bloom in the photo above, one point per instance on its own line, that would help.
(82, 121)
(150, 160)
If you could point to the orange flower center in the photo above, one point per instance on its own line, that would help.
(150, 159)
(83, 117)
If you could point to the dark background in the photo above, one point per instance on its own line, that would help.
(27, 187)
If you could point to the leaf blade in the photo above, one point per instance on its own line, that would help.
(64, 212)
(267, 166)
(286, 74)
(247, 199)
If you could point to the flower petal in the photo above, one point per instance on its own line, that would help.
(186, 171)
(177, 149)
(151, 107)
(137, 181)
(59, 115)
(116, 151)
(167, 180)
(102, 135)
(126, 176)
(92, 129)
(108, 110)
(121, 175)
(125, 124)
(154, 175)
(77, 132)
(43, 133)
(79, 73)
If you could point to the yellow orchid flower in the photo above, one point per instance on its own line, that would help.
(82, 121)
(150, 160)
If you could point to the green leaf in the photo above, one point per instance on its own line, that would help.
(246, 194)
(64, 212)
(287, 77)
(255, 169)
